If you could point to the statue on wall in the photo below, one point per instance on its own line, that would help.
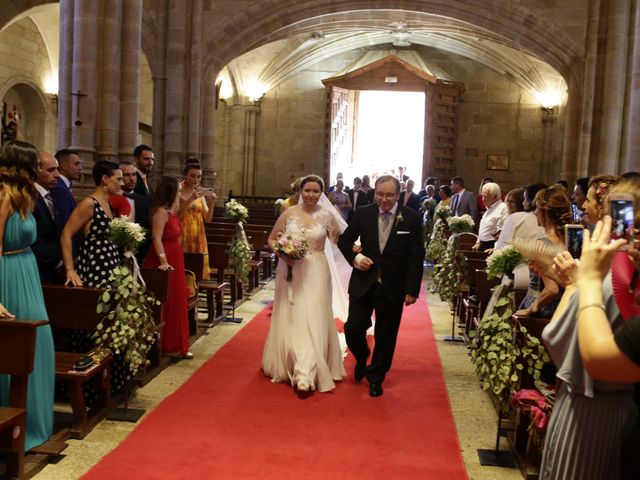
(10, 129)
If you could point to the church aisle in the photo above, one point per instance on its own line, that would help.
(473, 414)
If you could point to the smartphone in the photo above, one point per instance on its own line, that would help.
(206, 192)
(622, 216)
(573, 235)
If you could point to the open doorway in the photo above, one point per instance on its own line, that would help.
(389, 133)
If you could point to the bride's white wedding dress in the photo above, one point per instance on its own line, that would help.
(302, 347)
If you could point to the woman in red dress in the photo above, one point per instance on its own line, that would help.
(166, 254)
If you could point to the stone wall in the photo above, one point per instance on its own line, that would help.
(496, 117)
(24, 66)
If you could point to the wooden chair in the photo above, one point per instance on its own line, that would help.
(17, 352)
(74, 308)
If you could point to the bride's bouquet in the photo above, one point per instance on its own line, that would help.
(293, 246)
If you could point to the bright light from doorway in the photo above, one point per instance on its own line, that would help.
(390, 133)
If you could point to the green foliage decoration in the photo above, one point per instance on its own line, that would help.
(128, 327)
(449, 274)
(239, 253)
(497, 357)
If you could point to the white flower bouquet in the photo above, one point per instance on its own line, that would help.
(237, 211)
(503, 260)
(277, 206)
(293, 246)
(461, 224)
(442, 212)
(125, 234)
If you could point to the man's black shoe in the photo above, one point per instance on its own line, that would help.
(359, 371)
(375, 389)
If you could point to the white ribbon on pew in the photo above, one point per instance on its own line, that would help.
(137, 275)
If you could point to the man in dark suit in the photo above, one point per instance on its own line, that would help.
(463, 201)
(139, 205)
(144, 158)
(357, 196)
(47, 245)
(70, 170)
(386, 276)
(408, 198)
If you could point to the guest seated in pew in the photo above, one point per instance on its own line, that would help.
(20, 288)
(166, 254)
(47, 247)
(493, 219)
(553, 211)
(520, 223)
(592, 421)
(199, 209)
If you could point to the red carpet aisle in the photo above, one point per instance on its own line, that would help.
(230, 422)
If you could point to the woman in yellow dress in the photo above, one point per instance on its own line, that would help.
(295, 195)
(199, 211)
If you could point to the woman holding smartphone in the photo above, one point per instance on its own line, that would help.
(199, 210)
(591, 419)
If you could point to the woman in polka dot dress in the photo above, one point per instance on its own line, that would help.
(97, 256)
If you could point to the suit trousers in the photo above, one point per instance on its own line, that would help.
(388, 316)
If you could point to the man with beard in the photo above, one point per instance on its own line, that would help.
(143, 156)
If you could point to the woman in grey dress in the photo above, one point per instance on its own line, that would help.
(591, 420)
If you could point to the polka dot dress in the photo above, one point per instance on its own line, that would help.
(98, 256)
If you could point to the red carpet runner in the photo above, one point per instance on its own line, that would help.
(230, 422)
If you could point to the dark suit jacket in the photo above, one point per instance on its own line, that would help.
(361, 201)
(400, 263)
(141, 205)
(65, 204)
(413, 202)
(466, 205)
(141, 188)
(47, 245)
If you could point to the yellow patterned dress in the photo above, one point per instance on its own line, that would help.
(194, 237)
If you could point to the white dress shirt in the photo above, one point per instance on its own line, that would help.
(492, 221)
(522, 225)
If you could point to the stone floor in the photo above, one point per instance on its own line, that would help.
(474, 415)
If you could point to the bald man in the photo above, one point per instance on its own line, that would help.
(47, 245)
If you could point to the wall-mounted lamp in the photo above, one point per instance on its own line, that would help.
(51, 88)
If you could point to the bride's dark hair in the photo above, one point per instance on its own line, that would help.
(312, 178)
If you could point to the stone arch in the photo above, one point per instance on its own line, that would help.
(33, 127)
(265, 21)
(15, 8)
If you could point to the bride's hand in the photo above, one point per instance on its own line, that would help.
(357, 248)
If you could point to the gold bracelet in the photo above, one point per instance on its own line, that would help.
(591, 305)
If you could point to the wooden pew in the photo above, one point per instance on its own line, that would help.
(219, 263)
(17, 352)
(74, 308)
(157, 282)
(214, 290)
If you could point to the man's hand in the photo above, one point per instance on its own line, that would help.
(364, 264)
(409, 300)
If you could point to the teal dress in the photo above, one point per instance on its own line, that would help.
(21, 294)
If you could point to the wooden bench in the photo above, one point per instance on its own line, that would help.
(213, 290)
(74, 308)
(17, 353)
(219, 263)
(157, 282)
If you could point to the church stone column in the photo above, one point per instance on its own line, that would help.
(65, 74)
(131, 46)
(83, 79)
(632, 151)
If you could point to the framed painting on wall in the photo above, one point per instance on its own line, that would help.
(497, 162)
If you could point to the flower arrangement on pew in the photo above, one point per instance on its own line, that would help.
(235, 210)
(128, 327)
(498, 358)
(277, 206)
(438, 243)
(449, 273)
(238, 248)
(503, 261)
(429, 207)
(461, 224)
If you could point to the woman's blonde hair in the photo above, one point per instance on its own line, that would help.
(18, 166)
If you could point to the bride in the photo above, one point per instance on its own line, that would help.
(302, 347)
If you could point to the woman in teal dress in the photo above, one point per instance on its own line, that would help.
(20, 287)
